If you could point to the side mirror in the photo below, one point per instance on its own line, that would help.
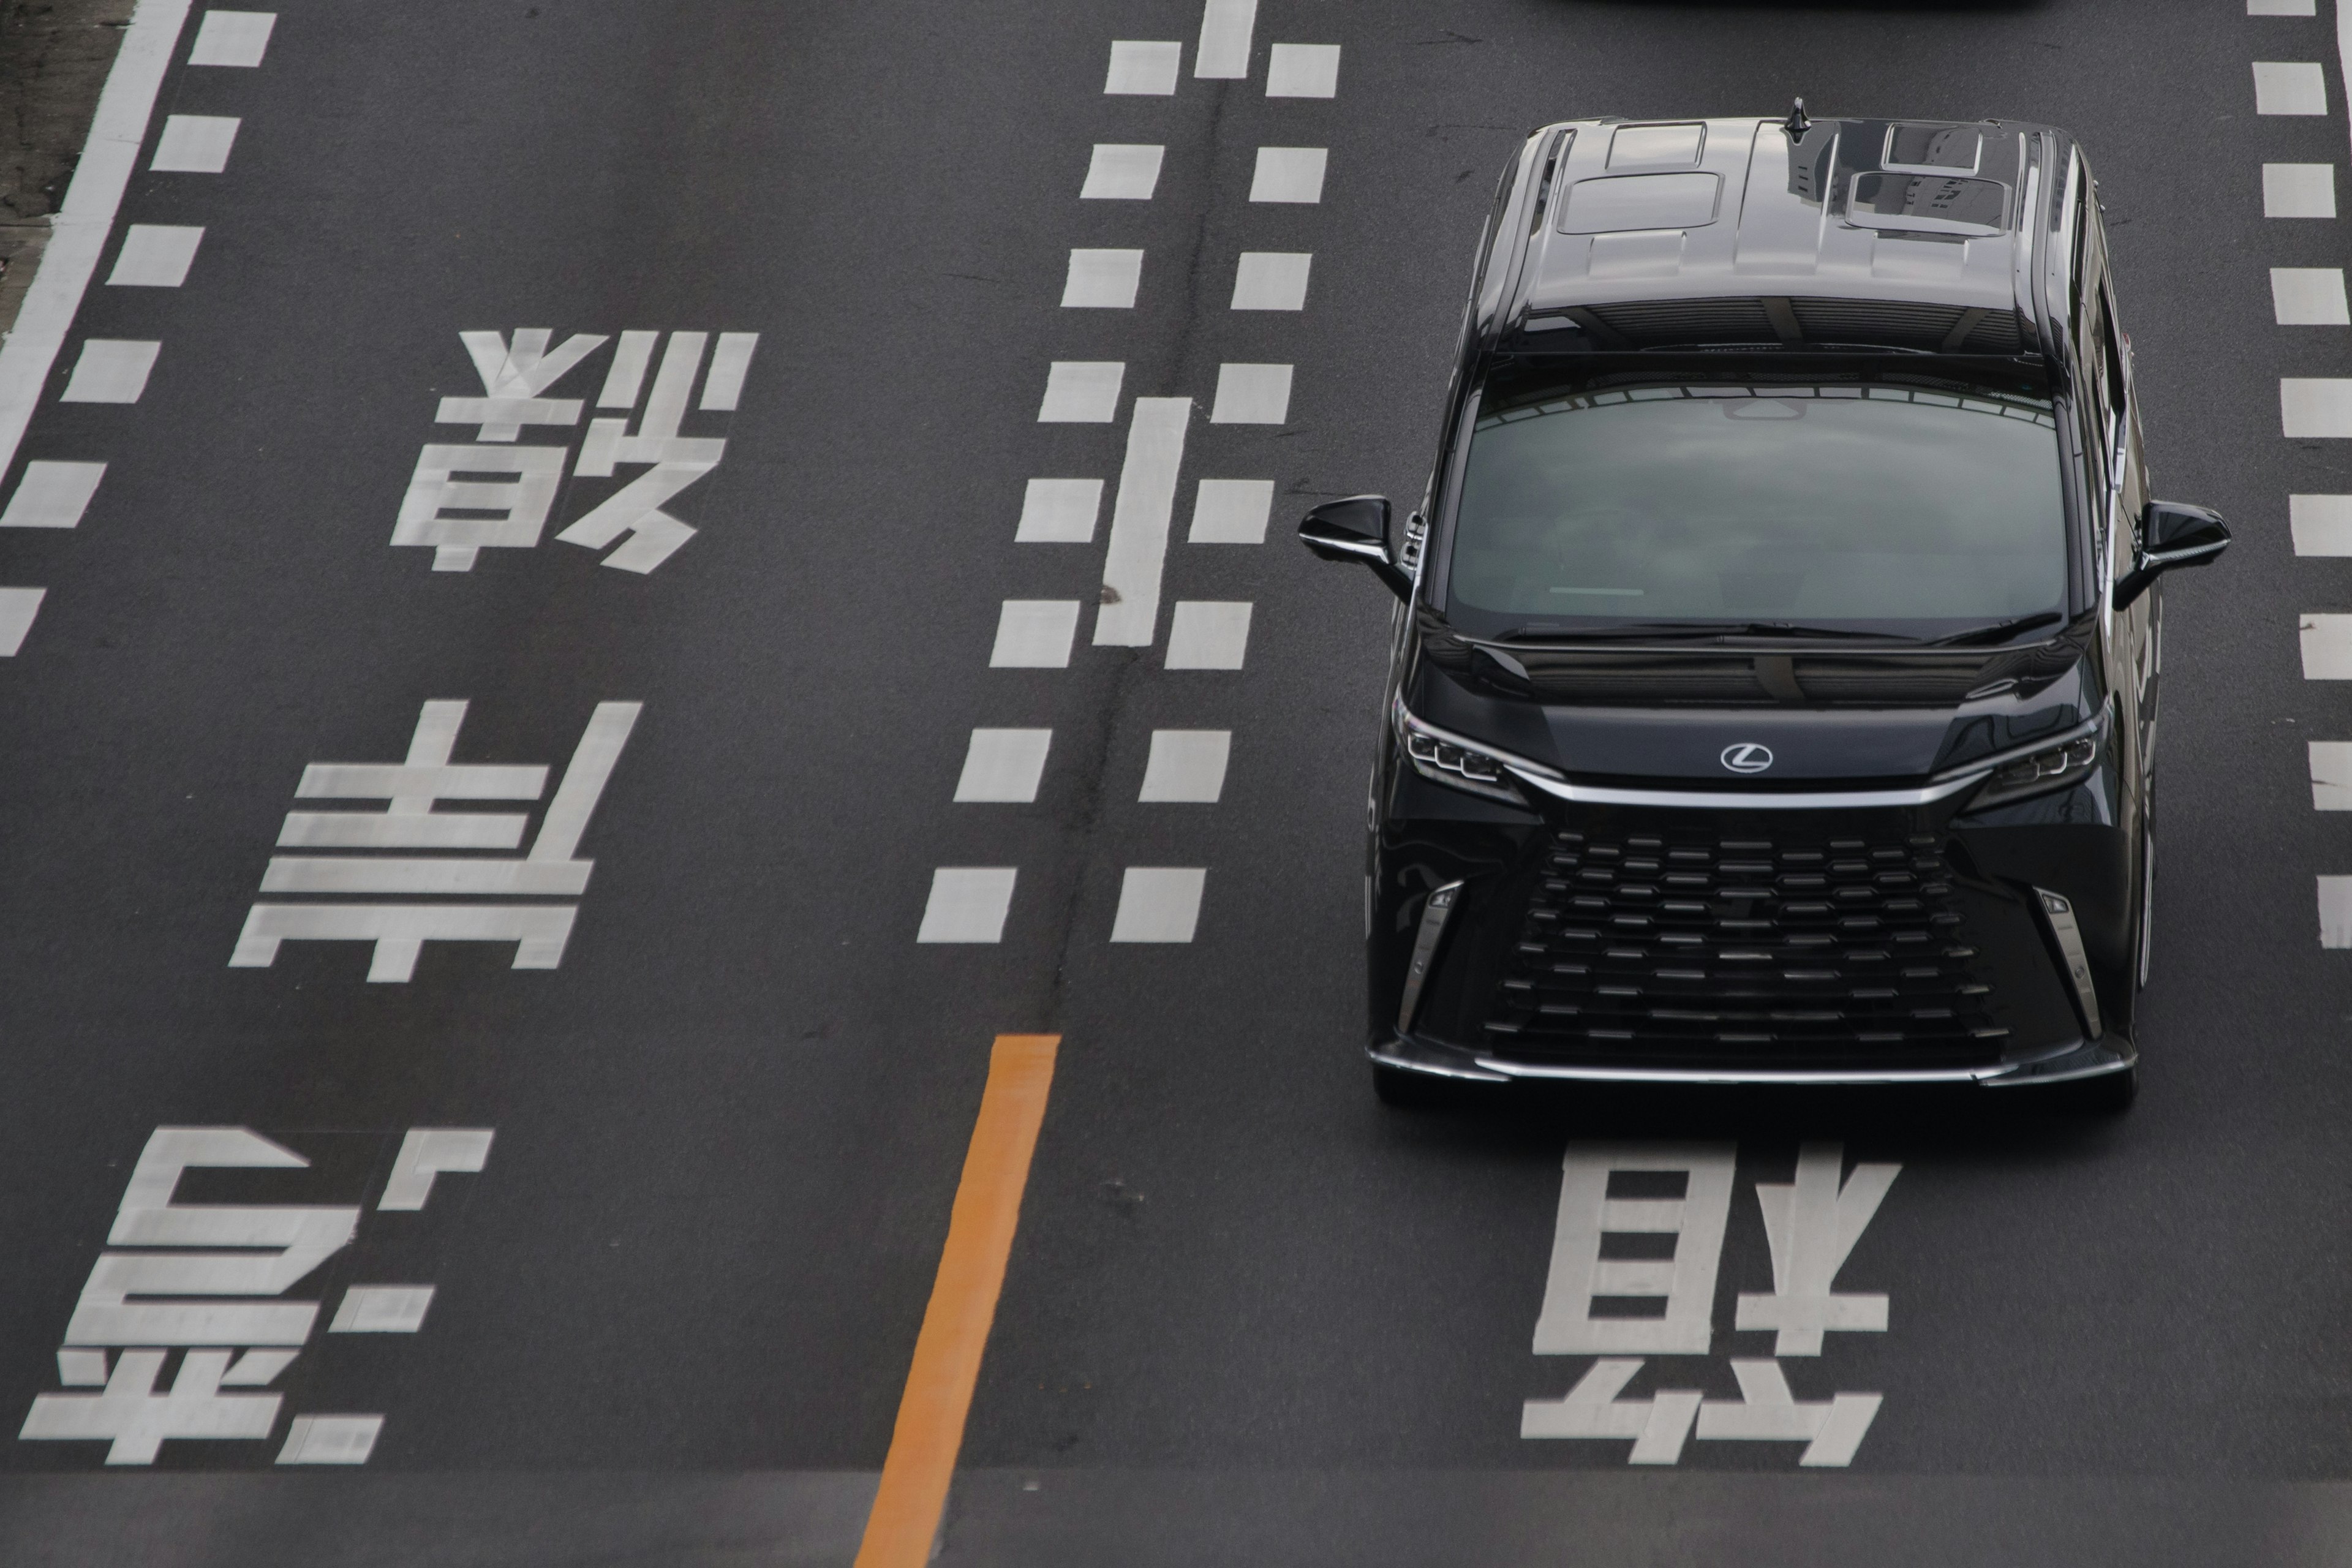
(1356, 529)
(2172, 535)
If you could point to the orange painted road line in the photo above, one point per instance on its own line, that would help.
(930, 1434)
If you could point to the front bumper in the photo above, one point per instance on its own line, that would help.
(2068, 1064)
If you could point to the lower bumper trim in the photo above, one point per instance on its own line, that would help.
(2068, 1064)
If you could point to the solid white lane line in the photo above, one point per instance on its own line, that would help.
(52, 495)
(1210, 634)
(2322, 525)
(1272, 280)
(2298, 190)
(1255, 395)
(1138, 554)
(2309, 297)
(155, 255)
(194, 144)
(110, 370)
(1289, 175)
(1189, 767)
(2331, 775)
(1302, 71)
(967, 904)
(1081, 391)
(1147, 69)
(1225, 29)
(1034, 634)
(2326, 647)
(1059, 511)
(1102, 280)
(2289, 86)
(1122, 171)
(1231, 511)
(2315, 407)
(1005, 765)
(78, 233)
(1159, 904)
(18, 608)
(234, 38)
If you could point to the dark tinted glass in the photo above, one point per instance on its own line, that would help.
(1860, 505)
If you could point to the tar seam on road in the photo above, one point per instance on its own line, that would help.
(929, 1432)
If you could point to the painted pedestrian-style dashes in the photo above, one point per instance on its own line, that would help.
(206, 1285)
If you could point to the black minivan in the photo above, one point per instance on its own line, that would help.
(1773, 696)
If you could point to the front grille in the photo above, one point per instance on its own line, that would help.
(1790, 950)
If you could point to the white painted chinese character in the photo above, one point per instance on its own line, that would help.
(1812, 1224)
(1685, 1281)
(1659, 1425)
(634, 511)
(411, 789)
(1765, 1412)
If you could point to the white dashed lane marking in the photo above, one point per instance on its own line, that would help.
(1289, 175)
(1123, 171)
(2280, 8)
(2336, 911)
(1005, 765)
(1059, 511)
(1302, 71)
(2322, 525)
(155, 255)
(1159, 904)
(2331, 775)
(1225, 27)
(1082, 392)
(2299, 190)
(1143, 69)
(2283, 87)
(1187, 766)
(1138, 554)
(2326, 647)
(1103, 279)
(1231, 511)
(194, 144)
(52, 494)
(110, 371)
(1034, 634)
(1206, 634)
(1255, 395)
(18, 608)
(231, 38)
(967, 904)
(2315, 407)
(1271, 280)
(2309, 297)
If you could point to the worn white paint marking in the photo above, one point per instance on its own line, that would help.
(429, 1152)
(194, 144)
(2322, 525)
(1059, 511)
(1231, 511)
(1138, 554)
(1122, 171)
(1766, 1412)
(1081, 391)
(2309, 297)
(2331, 775)
(1225, 29)
(1257, 394)
(1567, 1324)
(2280, 8)
(110, 371)
(2336, 911)
(1206, 634)
(136, 1419)
(2326, 647)
(2315, 407)
(329, 1440)
(731, 361)
(1289, 175)
(231, 38)
(1005, 765)
(155, 255)
(1302, 71)
(1034, 634)
(1187, 766)
(1159, 903)
(1812, 1224)
(516, 485)
(382, 1309)
(81, 1369)
(1143, 69)
(399, 931)
(2298, 190)
(1102, 280)
(1659, 1425)
(2289, 86)
(1272, 280)
(967, 904)
(78, 233)
(18, 608)
(52, 494)
(627, 376)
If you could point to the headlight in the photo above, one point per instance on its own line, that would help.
(1443, 757)
(2060, 766)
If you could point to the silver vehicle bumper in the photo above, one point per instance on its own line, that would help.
(2068, 1064)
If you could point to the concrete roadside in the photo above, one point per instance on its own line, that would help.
(54, 57)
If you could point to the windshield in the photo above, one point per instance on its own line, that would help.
(1912, 509)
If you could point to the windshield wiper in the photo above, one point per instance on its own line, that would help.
(2000, 631)
(1691, 631)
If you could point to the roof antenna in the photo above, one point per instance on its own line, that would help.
(1797, 123)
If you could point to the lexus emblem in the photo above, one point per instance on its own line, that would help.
(1748, 757)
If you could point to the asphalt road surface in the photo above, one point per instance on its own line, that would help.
(760, 579)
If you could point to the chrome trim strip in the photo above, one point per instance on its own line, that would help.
(2059, 916)
(1754, 800)
(1776, 645)
(1434, 914)
(1735, 1074)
